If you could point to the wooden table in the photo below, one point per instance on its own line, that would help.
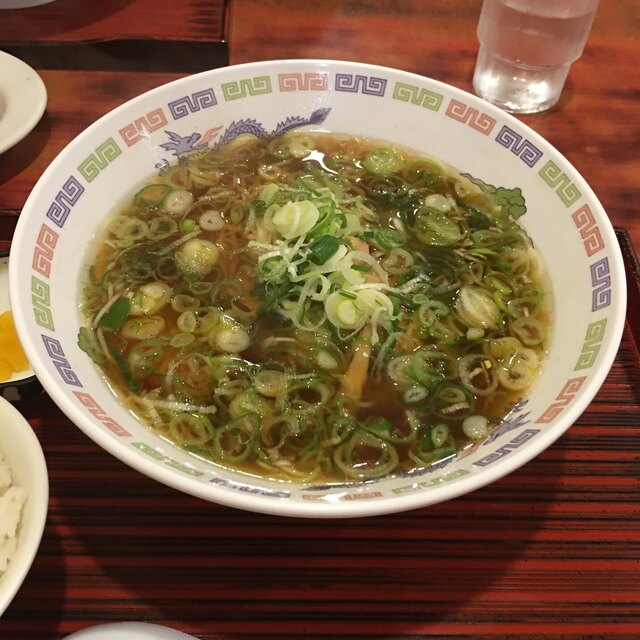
(551, 551)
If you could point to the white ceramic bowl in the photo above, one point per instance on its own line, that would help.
(564, 218)
(21, 450)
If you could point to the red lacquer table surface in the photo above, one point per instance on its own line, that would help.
(551, 551)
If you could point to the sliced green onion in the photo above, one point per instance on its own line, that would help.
(152, 195)
(211, 221)
(523, 307)
(142, 358)
(364, 456)
(162, 227)
(232, 339)
(322, 248)
(177, 201)
(530, 330)
(398, 261)
(143, 328)
(436, 228)
(301, 145)
(326, 361)
(269, 382)
(182, 302)
(196, 257)
(187, 321)
(247, 402)
(150, 298)
(475, 427)
(451, 402)
(477, 308)
(181, 340)
(478, 373)
(383, 161)
(439, 202)
(295, 219)
(383, 428)
(398, 369)
(190, 428)
(424, 172)
(128, 228)
(430, 310)
(389, 239)
(415, 394)
(439, 435)
(424, 451)
(517, 376)
(430, 366)
(474, 333)
(233, 441)
(268, 193)
(343, 312)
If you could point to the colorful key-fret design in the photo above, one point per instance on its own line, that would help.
(44, 250)
(522, 438)
(90, 403)
(41, 300)
(519, 146)
(57, 355)
(143, 126)
(589, 231)
(356, 83)
(238, 89)
(417, 95)
(303, 81)
(563, 399)
(66, 198)
(560, 183)
(470, 116)
(93, 164)
(191, 103)
(601, 282)
(591, 347)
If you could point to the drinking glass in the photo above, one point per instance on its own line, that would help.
(526, 50)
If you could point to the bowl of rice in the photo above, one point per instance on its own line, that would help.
(317, 288)
(24, 497)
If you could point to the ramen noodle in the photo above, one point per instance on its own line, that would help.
(317, 307)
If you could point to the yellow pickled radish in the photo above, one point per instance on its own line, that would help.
(12, 357)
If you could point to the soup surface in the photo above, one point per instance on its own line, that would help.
(317, 307)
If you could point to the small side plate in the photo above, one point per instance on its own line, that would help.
(129, 631)
(23, 99)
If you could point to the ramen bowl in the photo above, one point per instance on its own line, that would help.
(157, 129)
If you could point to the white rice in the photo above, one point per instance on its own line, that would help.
(11, 500)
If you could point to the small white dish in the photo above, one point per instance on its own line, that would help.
(22, 4)
(23, 98)
(22, 452)
(129, 631)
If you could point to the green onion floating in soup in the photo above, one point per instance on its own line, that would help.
(317, 307)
